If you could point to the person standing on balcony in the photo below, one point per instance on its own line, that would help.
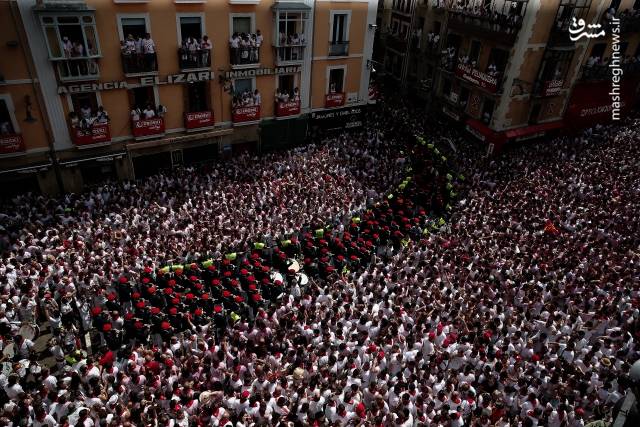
(206, 47)
(257, 99)
(149, 48)
(259, 41)
(234, 44)
(148, 112)
(192, 48)
(295, 41)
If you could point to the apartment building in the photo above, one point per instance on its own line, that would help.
(512, 70)
(123, 88)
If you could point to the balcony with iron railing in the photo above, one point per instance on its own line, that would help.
(288, 54)
(80, 68)
(244, 56)
(496, 26)
(339, 48)
(194, 59)
(137, 64)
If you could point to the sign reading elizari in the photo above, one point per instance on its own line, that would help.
(171, 79)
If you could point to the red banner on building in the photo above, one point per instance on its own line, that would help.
(250, 113)
(200, 119)
(148, 127)
(552, 87)
(592, 102)
(96, 134)
(477, 77)
(11, 144)
(334, 100)
(284, 109)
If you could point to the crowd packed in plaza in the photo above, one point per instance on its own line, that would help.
(366, 278)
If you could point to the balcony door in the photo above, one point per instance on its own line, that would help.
(8, 124)
(339, 27)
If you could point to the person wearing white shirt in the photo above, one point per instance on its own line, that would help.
(148, 112)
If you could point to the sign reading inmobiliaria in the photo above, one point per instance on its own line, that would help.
(148, 127)
(11, 144)
(199, 120)
(334, 100)
(250, 113)
(477, 77)
(290, 108)
(98, 133)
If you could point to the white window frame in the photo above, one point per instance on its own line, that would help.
(328, 75)
(12, 112)
(55, 25)
(121, 16)
(189, 15)
(242, 15)
(333, 13)
(156, 94)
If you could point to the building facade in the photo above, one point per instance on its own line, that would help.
(513, 70)
(122, 89)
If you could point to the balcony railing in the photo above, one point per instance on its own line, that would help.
(290, 53)
(95, 134)
(134, 63)
(148, 128)
(190, 60)
(338, 48)
(247, 114)
(500, 27)
(78, 69)
(244, 55)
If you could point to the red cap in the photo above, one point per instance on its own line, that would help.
(256, 297)
(173, 310)
(252, 287)
(96, 310)
(165, 325)
(145, 280)
(106, 327)
(152, 290)
(111, 296)
(128, 316)
(215, 282)
(198, 312)
(148, 270)
(155, 310)
(171, 283)
(168, 291)
(239, 299)
(189, 296)
(135, 295)
(140, 304)
(211, 268)
(193, 278)
(234, 283)
(205, 296)
(226, 294)
(175, 300)
(123, 280)
(217, 308)
(245, 394)
(138, 325)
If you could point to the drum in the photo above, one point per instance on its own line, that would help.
(303, 279)
(27, 332)
(276, 276)
(293, 265)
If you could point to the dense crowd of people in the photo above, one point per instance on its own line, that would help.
(324, 286)
(245, 47)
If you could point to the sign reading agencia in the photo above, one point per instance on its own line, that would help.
(171, 79)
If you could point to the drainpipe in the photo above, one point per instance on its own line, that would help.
(17, 22)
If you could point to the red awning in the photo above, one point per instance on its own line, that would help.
(533, 130)
(480, 130)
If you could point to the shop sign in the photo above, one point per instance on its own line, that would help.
(199, 120)
(98, 133)
(250, 113)
(171, 79)
(11, 144)
(148, 127)
(346, 118)
(477, 77)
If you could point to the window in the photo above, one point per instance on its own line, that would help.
(336, 80)
(195, 47)
(190, 27)
(8, 125)
(84, 102)
(71, 36)
(474, 51)
(142, 97)
(242, 25)
(636, 5)
(339, 27)
(133, 26)
(291, 28)
(615, 4)
(598, 50)
(498, 60)
(244, 93)
(534, 113)
(286, 84)
(464, 97)
(555, 65)
(197, 97)
(487, 110)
